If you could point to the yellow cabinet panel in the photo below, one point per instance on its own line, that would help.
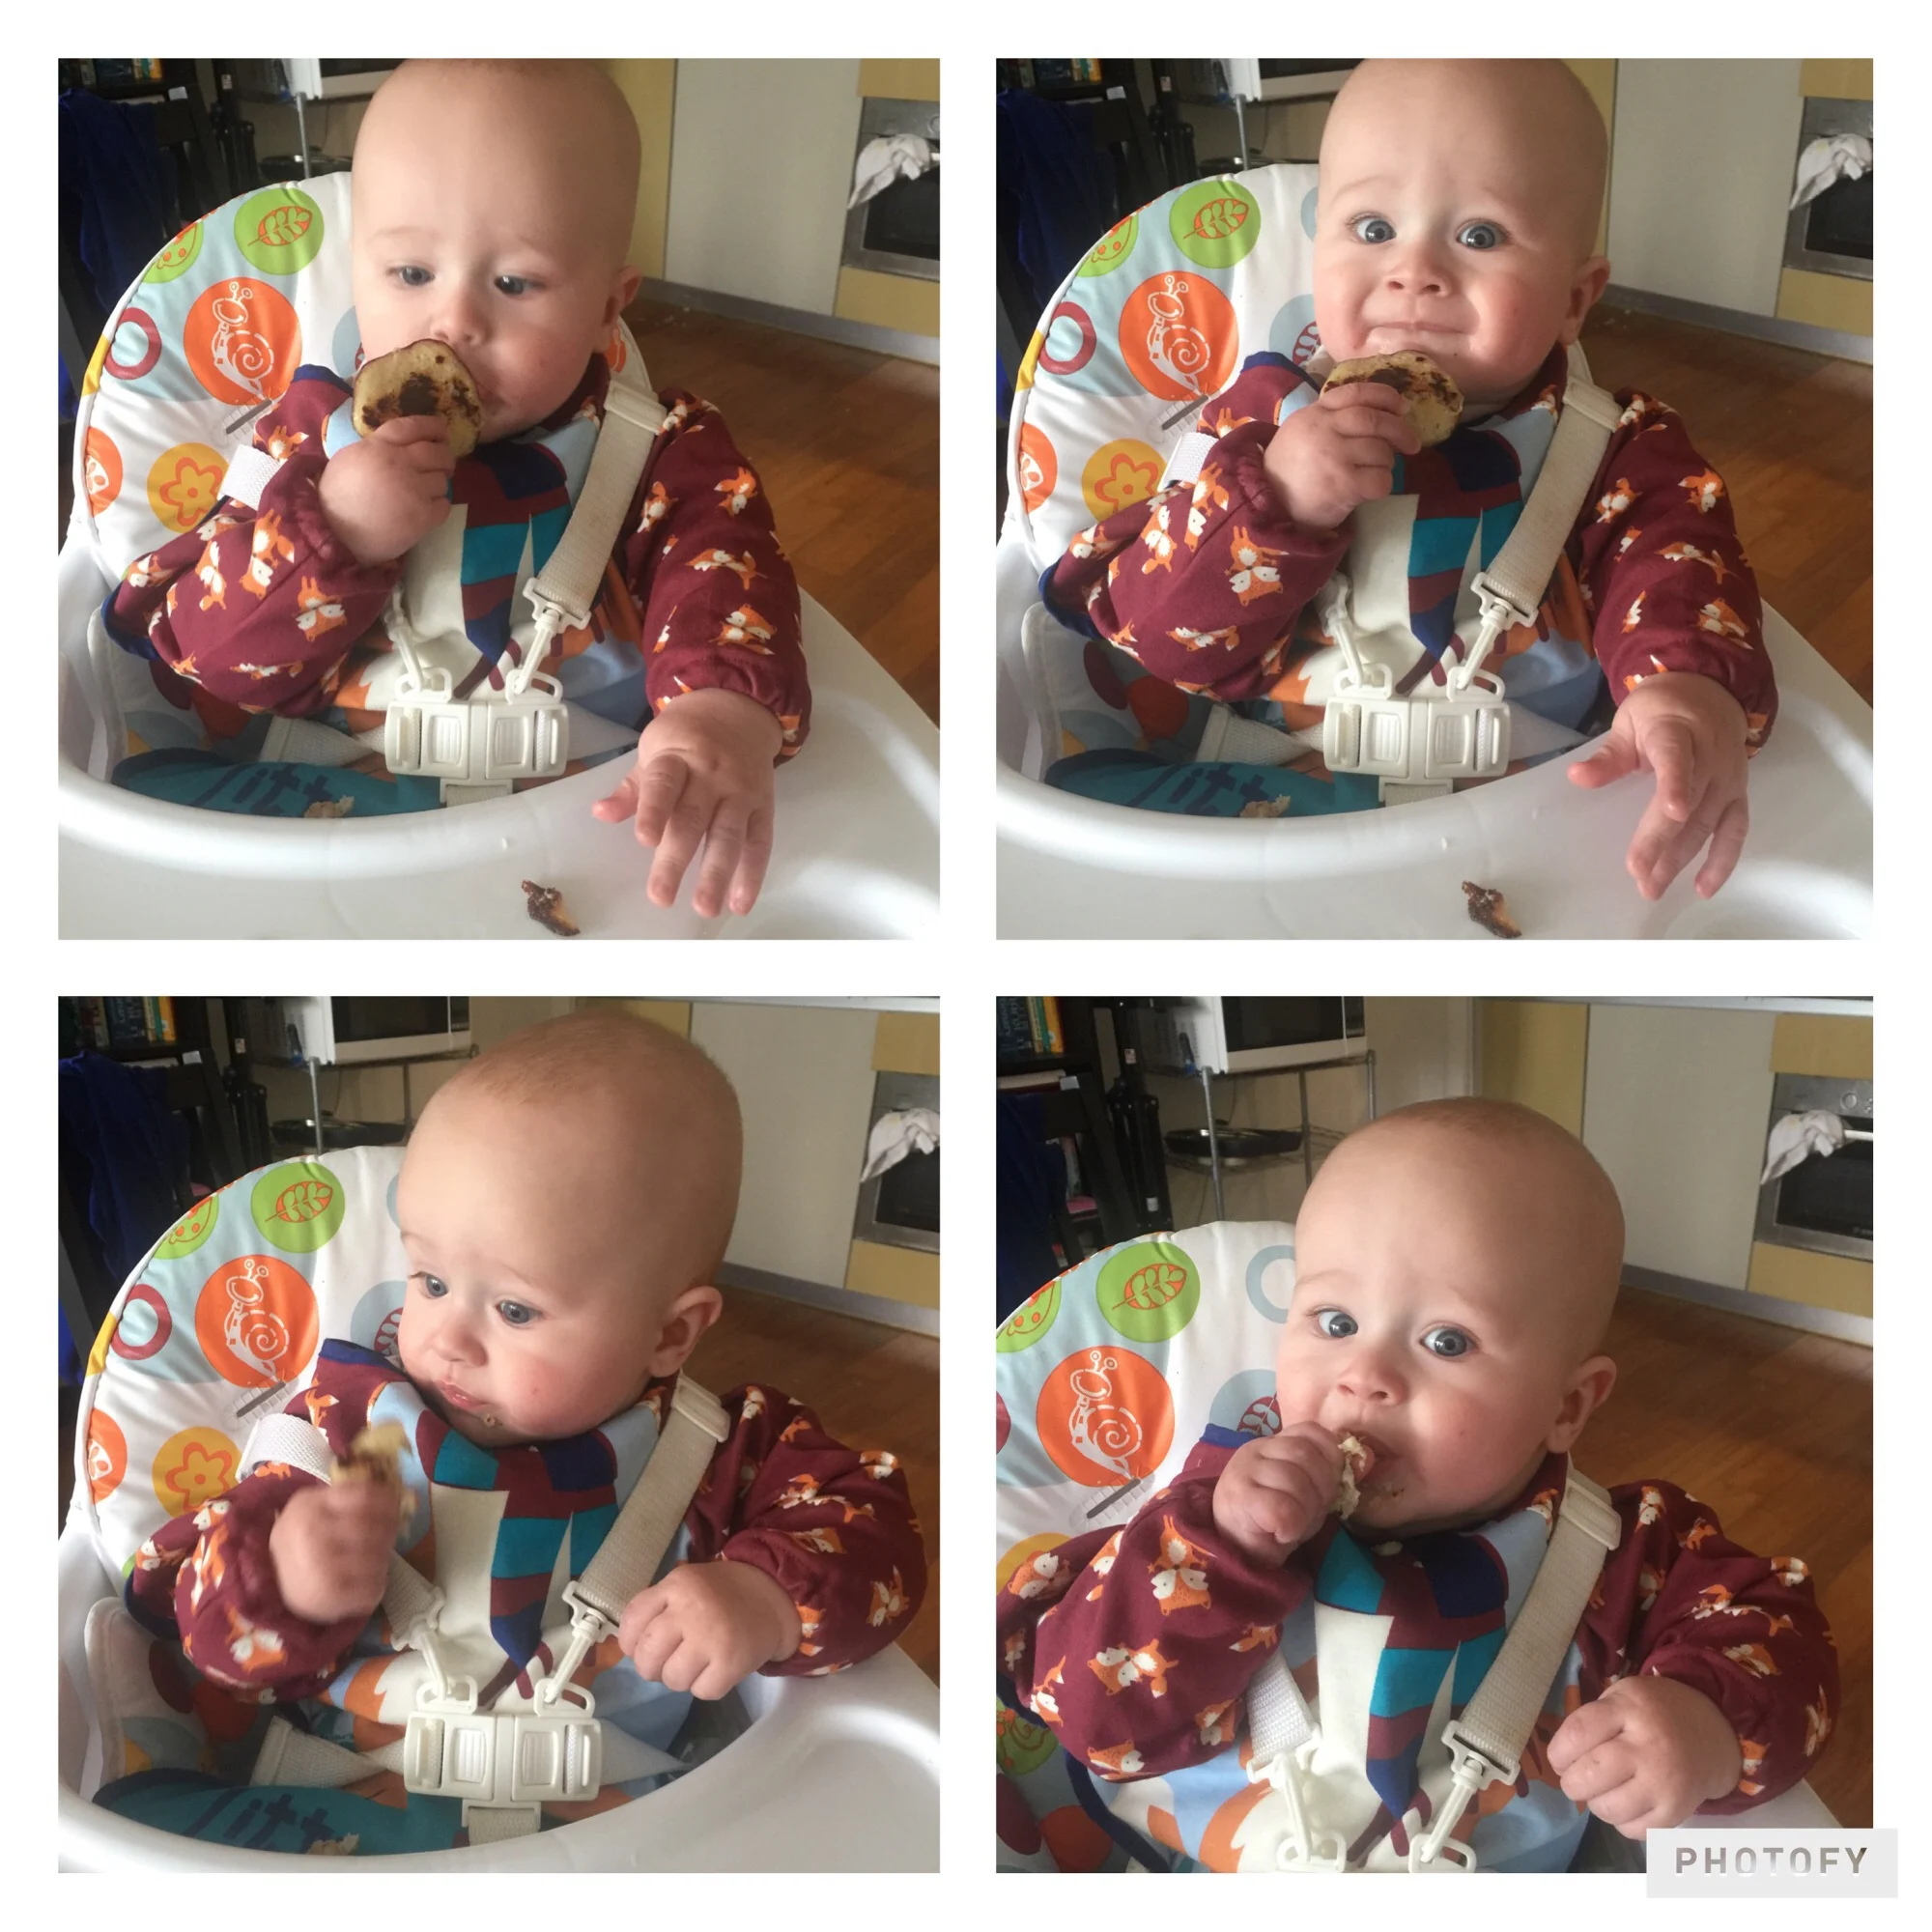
(1534, 1053)
(1833, 1045)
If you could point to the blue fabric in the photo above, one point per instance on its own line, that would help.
(280, 1817)
(1054, 186)
(1212, 790)
(136, 1150)
(1023, 1180)
(117, 188)
(272, 790)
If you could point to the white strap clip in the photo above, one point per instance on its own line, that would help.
(1435, 1851)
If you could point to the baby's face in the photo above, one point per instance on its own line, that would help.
(525, 1319)
(1439, 232)
(471, 229)
(1430, 1320)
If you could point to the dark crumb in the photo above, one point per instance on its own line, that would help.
(547, 907)
(1490, 910)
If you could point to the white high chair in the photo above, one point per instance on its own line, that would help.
(833, 1774)
(857, 846)
(1094, 410)
(1106, 1379)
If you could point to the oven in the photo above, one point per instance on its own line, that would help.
(1831, 234)
(896, 232)
(1825, 1203)
(899, 1209)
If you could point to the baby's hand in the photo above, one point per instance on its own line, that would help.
(1338, 451)
(1690, 730)
(1275, 1490)
(707, 1626)
(703, 773)
(330, 1549)
(1646, 1753)
(383, 495)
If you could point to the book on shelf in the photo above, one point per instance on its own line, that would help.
(105, 1024)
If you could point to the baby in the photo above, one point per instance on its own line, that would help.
(564, 1204)
(492, 212)
(1457, 217)
(1456, 1265)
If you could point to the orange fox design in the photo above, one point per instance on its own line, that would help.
(807, 1629)
(1044, 1703)
(1121, 1669)
(1790, 1570)
(823, 1542)
(877, 1463)
(1614, 502)
(743, 568)
(1686, 552)
(1634, 616)
(1719, 617)
(1706, 491)
(745, 628)
(1817, 1725)
(253, 1647)
(1209, 492)
(282, 442)
(267, 544)
(1102, 1565)
(1753, 1755)
(1181, 1577)
(1041, 1576)
(1700, 1531)
(1253, 575)
(657, 505)
(1629, 537)
(316, 613)
(1215, 1725)
(1199, 641)
(1753, 1657)
(889, 1603)
(1650, 1508)
(1263, 1634)
(1117, 1760)
(1158, 542)
(738, 491)
(209, 570)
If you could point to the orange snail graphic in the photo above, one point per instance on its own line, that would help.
(1174, 345)
(240, 352)
(1097, 1427)
(255, 1334)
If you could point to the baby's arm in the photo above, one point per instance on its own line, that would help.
(821, 1562)
(722, 667)
(1678, 629)
(1722, 1683)
(1202, 583)
(259, 607)
(1147, 1638)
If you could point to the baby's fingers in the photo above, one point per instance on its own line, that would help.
(723, 853)
(1617, 760)
(1727, 842)
(1672, 750)
(1582, 1732)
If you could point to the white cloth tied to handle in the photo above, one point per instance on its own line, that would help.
(1830, 158)
(886, 158)
(895, 1136)
(1796, 1138)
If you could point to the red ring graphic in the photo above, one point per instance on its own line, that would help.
(1079, 359)
(164, 1323)
(130, 371)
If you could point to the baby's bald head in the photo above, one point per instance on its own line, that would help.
(632, 1124)
(566, 121)
(1539, 107)
(1538, 1189)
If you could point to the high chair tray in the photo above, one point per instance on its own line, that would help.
(835, 1773)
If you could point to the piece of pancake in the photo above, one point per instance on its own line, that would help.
(1354, 1463)
(376, 1456)
(1430, 399)
(427, 379)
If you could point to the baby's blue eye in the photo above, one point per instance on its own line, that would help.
(515, 285)
(433, 1286)
(1448, 1343)
(410, 276)
(1334, 1324)
(1362, 224)
(1480, 234)
(516, 1314)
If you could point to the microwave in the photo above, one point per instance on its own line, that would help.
(355, 1029)
(1261, 1036)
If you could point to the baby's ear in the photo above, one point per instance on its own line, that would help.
(622, 289)
(685, 1322)
(1590, 1382)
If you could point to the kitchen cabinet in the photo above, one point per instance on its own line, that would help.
(1675, 1104)
(1702, 158)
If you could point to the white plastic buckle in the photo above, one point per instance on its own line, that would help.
(1305, 1850)
(1435, 1851)
(1368, 728)
(477, 741)
(451, 1750)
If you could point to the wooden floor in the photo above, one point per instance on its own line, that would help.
(1774, 1429)
(1791, 434)
(846, 444)
(872, 1387)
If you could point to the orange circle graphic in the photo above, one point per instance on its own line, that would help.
(1105, 1416)
(242, 341)
(106, 1455)
(1076, 1842)
(256, 1322)
(1119, 473)
(185, 485)
(1039, 467)
(194, 1465)
(103, 470)
(1178, 335)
